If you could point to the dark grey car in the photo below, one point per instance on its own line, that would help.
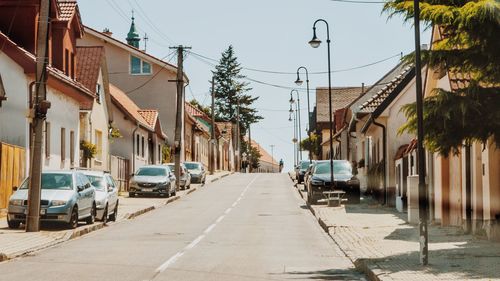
(152, 180)
(197, 171)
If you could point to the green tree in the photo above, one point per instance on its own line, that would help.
(229, 89)
(253, 154)
(312, 143)
(470, 47)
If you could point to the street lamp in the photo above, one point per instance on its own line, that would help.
(315, 42)
(299, 82)
(293, 118)
(297, 106)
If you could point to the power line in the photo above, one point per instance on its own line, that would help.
(149, 22)
(152, 77)
(317, 72)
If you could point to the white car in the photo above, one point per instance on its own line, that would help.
(106, 195)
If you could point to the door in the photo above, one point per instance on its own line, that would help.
(112, 192)
(87, 195)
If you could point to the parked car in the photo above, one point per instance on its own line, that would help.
(301, 170)
(106, 195)
(152, 180)
(197, 171)
(67, 196)
(185, 177)
(320, 181)
(307, 174)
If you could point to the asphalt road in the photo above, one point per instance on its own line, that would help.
(243, 227)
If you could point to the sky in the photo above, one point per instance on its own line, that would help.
(268, 35)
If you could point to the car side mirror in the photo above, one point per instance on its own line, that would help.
(14, 188)
(80, 188)
(131, 175)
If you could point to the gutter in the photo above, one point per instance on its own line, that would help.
(384, 149)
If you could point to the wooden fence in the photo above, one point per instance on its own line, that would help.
(12, 170)
(120, 170)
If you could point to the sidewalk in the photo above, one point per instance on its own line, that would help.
(16, 243)
(383, 245)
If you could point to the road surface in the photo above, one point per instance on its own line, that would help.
(243, 227)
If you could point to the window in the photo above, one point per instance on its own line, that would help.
(142, 146)
(159, 153)
(137, 144)
(2, 92)
(72, 148)
(98, 93)
(138, 66)
(98, 144)
(66, 62)
(63, 144)
(47, 139)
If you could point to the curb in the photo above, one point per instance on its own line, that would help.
(100, 225)
(372, 272)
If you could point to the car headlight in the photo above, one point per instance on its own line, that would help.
(16, 202)
(100, 203)
(55, 203)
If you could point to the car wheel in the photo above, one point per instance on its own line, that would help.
(73, 220)
(115, 213)
(13, 224)
(105, 215)
(175, 192)
(91, 218)
(131, 194)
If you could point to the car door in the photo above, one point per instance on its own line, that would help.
(87, 195)
(112, 192)
(80, 200)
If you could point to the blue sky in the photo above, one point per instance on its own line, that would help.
(267, 35)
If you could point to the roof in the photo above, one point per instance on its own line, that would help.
(89, 61)
(341, 98)
(265, 156)
(66, 9)
(56, 78)
(149, 115)
(107, 38)
(392, 89)
(193, 111)
(120, 99)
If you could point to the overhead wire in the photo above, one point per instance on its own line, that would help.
(152, 77)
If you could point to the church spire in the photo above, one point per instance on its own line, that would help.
(133, 36)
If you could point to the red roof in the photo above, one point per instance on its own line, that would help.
(66, 9)
(266, 157)
(149, 115)
(89, 64)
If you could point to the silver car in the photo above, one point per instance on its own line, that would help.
(106, 195)
(67, 196)
(152, 180)
(185, 177)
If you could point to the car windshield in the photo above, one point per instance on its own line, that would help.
(339, 168)
(98, 182)
(53, 181)
(193, 166)
(152, 172)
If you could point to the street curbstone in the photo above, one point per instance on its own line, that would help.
(86, 230)
(191, 190)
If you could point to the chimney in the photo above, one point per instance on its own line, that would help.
(107, 32)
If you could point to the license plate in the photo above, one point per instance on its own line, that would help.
(147, 189)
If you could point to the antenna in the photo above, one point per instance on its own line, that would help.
(146, 38)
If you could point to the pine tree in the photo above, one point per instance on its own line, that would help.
(229, 89)
(470, 46)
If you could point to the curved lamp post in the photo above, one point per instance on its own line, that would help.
(299, 82)
(315, 42)
(297, 107)
(294, 139)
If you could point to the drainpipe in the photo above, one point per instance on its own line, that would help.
(90, 137)
(133, 147)
(384, 160)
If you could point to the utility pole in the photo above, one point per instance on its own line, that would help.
(41, 105)
(238, 141)
(272, 158)
(249, 149)
(179, 110)
(212, 139)
(422, 189)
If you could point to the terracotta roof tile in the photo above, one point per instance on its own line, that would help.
(66, 9)
(88, 61)
(149, 115)
(375, 99)
(341, 98)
